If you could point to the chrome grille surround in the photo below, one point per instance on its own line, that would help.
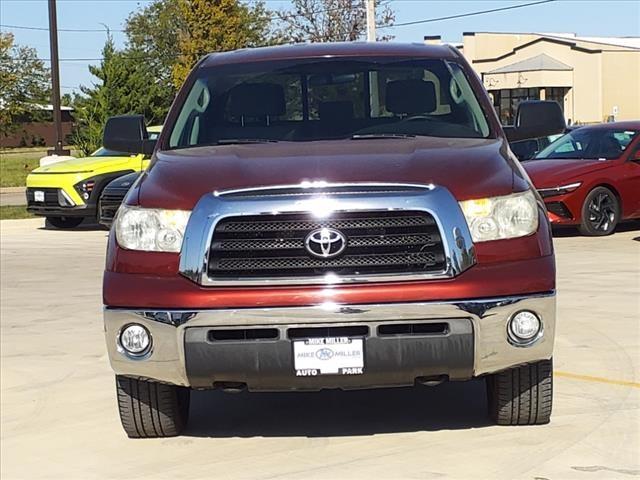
(322, 201)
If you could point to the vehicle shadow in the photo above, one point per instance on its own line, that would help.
(86, 226)
(628, 226)
(335, 413)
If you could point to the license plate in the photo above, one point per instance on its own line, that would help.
(328, 356)
(38, 196)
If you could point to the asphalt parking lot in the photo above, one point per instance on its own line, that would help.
(59, 417)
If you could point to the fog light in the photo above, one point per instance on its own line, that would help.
(135, 339)
(524, 327)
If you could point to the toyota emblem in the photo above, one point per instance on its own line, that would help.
(325, 243)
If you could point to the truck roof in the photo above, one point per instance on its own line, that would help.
(339, 49)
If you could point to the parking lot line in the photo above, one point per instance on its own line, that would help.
(589, 378)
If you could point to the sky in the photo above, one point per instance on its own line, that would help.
(583, 17)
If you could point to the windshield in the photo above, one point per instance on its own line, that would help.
(590, 143)
(305, 100)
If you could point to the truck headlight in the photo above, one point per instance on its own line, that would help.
(498, 218)
(150, 229)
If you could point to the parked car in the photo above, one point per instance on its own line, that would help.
(330, 216)
(113, 195)
(67, 192)
(591, 177)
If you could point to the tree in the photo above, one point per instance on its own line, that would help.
(214, 26)
(24, 81)
(331, 20)
(68, 99)
(125, 85)
(152, 34)
(174, 34)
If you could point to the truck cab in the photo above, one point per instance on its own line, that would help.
(330, 216)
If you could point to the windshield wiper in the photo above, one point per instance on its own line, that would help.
(375, 136)
(240, 141)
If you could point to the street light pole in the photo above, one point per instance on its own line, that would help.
(55, 80)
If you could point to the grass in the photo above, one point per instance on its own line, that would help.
(41, 150)
(10, 212)
(15, 168)
(17, 163)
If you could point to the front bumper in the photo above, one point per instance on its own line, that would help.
(475, 343)
(559, 213)
(52, 207)
(79, 211)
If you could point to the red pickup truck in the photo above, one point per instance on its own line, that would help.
(330, 216)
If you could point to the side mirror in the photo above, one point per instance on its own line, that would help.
(127, 133)
(536, 118)
(635, 156)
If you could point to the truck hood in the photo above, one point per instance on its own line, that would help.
(553, 173)
(84, 164)
(469, 168)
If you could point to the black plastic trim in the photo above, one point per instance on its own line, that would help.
(267, 365)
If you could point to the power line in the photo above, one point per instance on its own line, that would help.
(291, 15)
(73, 30)
(469, 14)
(75, 59)
(275, 16)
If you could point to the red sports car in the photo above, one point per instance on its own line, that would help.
(591, 177)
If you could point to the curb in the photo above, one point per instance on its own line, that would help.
(5, 190)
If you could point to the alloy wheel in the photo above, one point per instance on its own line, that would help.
(602, 211)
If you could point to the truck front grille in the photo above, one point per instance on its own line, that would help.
(377, 242)
(110, 201)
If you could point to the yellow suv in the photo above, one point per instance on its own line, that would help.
(68, 192)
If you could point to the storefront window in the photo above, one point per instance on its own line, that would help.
(557, 94)
(506, 101)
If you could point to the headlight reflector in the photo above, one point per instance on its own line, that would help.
(150, 229)
(498, 218)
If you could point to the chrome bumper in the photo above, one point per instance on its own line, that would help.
(492, 351)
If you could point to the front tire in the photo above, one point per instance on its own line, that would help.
(600, 213)
(64, 222)
(521, 395)
(151, 409)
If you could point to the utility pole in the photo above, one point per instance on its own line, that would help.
(371, 20)
(374, 99)
(55, 80)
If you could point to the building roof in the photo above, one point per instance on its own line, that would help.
(39, 106)
(533, 64)
(629, 42)
(626, 42)
(49, 107)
